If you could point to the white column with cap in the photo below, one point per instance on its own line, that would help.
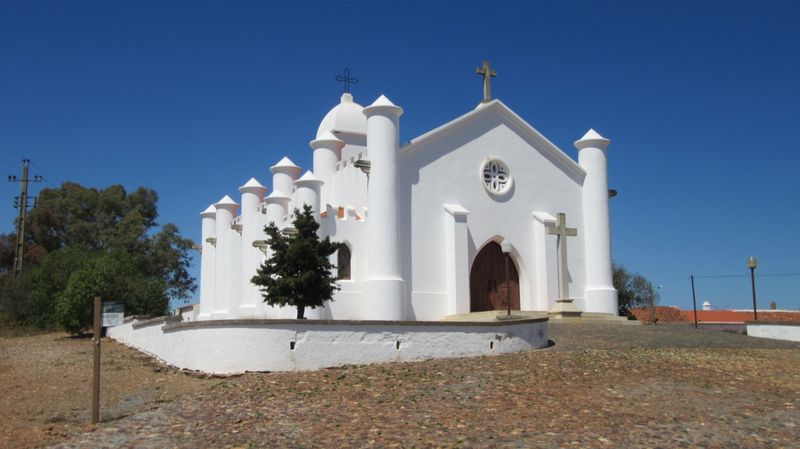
(208, 241)
(307, 190)
(283, 175)
(600, 294)
(384, 287)
(327, 153)
(250, 305)
(223, 270)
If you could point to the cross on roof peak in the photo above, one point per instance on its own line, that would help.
(487, 73)
(347, 80)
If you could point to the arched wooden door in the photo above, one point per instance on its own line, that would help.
(489, 288)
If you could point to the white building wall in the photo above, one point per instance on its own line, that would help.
(349, 183)
(446, 170)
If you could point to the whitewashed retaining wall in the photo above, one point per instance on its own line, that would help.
(777, 331)
(236, 346)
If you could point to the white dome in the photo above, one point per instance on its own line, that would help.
(346, 116)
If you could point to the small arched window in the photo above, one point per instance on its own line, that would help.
(343, 262)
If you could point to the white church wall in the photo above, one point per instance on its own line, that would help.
(355, 144)
(445, 169)
(348, 302)
(236, 346)
(348, 182)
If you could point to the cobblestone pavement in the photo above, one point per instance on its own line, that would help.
(598, 386)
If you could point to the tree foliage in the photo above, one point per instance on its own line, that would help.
(633, 290)
(299, 271)
(76, 229)
(113, 277)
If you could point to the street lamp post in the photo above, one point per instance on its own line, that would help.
(751, 264)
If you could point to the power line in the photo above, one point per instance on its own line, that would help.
(762, 275)
(46, 173)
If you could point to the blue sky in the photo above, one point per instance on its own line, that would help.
(700, 100)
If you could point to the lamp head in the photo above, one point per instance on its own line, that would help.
(752, 263)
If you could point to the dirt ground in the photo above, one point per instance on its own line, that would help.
(600, 386)
(45, 385)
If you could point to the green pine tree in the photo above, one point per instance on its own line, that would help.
(299, 271)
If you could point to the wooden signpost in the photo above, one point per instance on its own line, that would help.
(96, 372)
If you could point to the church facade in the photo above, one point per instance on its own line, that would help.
(479, 212)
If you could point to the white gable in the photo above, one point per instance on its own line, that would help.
(497, 110)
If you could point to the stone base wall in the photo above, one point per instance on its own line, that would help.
(236, 346)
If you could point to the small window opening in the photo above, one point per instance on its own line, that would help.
(491, 345)
(397, 345)
(291, 346)
(343, 262)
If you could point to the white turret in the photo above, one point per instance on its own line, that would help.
(207, 242)
(226, 260)
(600, 294)
(277, 207)
(307, 190)
(327, 153)
(384, 287)
(252, 193)
(283, 175)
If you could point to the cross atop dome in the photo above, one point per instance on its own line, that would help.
(487, 74)
(346, 80)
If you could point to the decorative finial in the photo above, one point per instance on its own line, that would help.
(487, 74)
(346, 80)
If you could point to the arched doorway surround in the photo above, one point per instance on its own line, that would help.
(489, 285)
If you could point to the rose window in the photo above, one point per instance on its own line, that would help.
(496, 176)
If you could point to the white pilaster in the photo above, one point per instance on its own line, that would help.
(384, 287)
(251, 305)
(600, 295)
(457, 259)
(207, 242)
(542, 272)
(223, 270)
(327, 153)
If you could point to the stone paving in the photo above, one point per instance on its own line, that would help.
(599, 386)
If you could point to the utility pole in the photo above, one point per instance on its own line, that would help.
(22, 205)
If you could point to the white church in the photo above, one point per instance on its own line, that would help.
(475, 214)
